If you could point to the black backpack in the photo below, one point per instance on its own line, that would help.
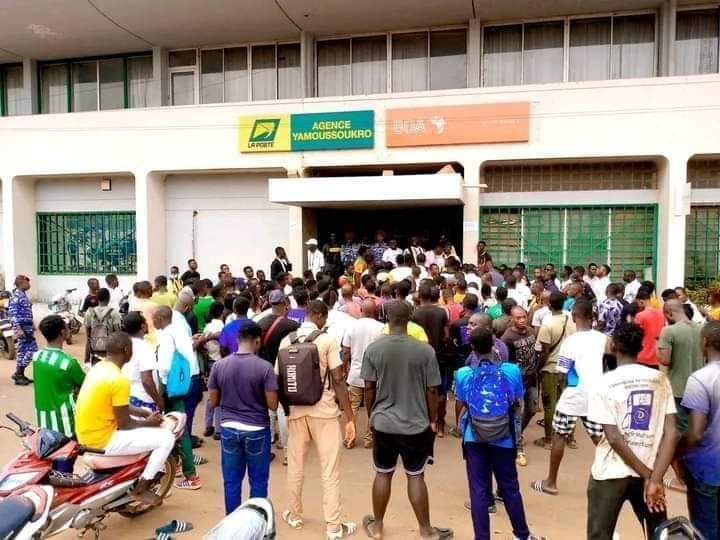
(300, 381)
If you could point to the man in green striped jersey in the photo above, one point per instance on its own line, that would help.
(57, 375)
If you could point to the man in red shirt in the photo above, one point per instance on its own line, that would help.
(651, 321)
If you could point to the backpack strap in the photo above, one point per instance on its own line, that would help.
(314, 335)
(106, 316)
(269, 332)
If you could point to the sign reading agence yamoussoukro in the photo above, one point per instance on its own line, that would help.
(306, 132)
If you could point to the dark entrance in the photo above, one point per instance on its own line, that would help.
(426, 222)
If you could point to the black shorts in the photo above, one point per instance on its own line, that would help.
(415, 451)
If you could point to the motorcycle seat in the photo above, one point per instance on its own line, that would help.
(99, 462)
(15, 512)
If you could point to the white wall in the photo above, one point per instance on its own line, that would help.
(235, 223)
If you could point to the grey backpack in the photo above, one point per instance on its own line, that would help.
(100, 331)
(300, 380)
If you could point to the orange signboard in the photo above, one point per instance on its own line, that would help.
(461, 124)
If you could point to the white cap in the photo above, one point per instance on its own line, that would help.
(311, 242)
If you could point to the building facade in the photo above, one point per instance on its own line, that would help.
(133, 137)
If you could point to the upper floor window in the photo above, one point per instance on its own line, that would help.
(598, 48)
(696, 42)
(428, 60)
(612, 48)
(12, 97)
(97, 84)
(237, 74)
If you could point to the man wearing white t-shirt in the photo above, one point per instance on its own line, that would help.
(141, 370)
(365, 330)
(579, 364)
(600, 282)
(635, 405)
(392, 252)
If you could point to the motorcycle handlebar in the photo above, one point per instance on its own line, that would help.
(18, 421)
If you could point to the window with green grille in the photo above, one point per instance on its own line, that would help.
(622, 236)
(702, 245)
(86, 243)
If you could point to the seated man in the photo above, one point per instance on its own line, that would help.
(103, 417)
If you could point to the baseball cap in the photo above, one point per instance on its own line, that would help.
(311, 242)
(276, 297)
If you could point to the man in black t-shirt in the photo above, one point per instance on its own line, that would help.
(434, 320)
(191, 274)
(275, 326)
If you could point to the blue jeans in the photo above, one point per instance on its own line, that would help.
(241, 450)
(482, 462)
(192, 400)
(704, 507)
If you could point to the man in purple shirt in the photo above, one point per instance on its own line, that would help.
(245, 387)
(228, 339)
(481, 320)
(700, 446)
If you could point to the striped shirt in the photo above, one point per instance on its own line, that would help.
(56, 375)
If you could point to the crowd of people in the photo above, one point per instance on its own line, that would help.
(290, 361)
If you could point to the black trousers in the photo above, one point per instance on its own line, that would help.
(605, 500)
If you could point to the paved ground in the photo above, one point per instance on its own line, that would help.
(561, 517)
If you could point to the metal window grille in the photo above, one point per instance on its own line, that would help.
(704, 173)
(86, 243)
(702, 245)
(571, 176)
(625, 237)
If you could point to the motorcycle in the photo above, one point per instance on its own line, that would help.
(24, 513)
(61, 305)
(7, 333)
(83, 501)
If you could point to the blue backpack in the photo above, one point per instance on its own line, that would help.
(178, 380)
(490, 402)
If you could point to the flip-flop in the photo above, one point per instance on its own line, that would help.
(347, 528)
(541, 442)
(572, 444)
(162, 536)
(294, 522)
(539, 486)
(199, 460)
(175, 526)
(366, 523)
(443, 533)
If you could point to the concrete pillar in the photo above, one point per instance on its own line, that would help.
(666, 38)
(471, 211)
(159, 90)
(19, 238)
(31, 90)
(307, 63)
(473, 53)
(673, 207)
(150, 224)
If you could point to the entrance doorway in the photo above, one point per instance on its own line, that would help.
(426, 222)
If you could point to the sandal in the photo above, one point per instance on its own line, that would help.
(293, 521)
(572, 444)
(675, 485)
(542, 442)
(368, 521)
(442, 533)
(539, 486)
(347, 528)
(175, 526)
(199, 460)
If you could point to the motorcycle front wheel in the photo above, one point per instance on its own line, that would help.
(161, 487)
(7, 347)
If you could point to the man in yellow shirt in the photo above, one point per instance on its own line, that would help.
(103, 417)
(414, 330)
(161, 296)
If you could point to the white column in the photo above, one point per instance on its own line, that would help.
(31, 90)
(307, 63)
(673, 206)
(159, 91)
(471, 211)
(150, 224)
(473, 53)
(666, 38)
(19, 238)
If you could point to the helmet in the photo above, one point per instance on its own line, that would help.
(254, 520)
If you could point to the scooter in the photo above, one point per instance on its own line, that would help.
(7, 333)
(60, 304)
(83, 501)
(24, 513)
